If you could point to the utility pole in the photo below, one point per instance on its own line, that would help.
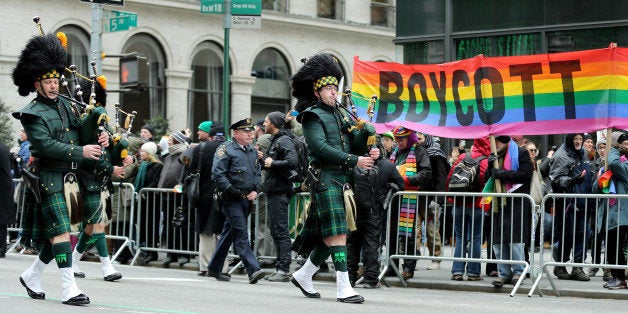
(226, 116)
(96, 36)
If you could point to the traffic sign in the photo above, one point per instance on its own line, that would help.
(246, 21)
(109, 2)
(238, 7)
(116, 21)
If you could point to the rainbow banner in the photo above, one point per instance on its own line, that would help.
(554, 93)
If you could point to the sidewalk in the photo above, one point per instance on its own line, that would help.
(441, 280)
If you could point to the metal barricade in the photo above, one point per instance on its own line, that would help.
(574, 227)
(18, 198)
(154, 223)
(511, 223)
(120, 229)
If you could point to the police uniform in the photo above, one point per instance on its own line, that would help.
(236, 171)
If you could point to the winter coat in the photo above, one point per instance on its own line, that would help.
(616, 216)
(7, 207)
(285, 159)
(209, 218)
(481, 147)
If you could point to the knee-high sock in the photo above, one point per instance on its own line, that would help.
(319, 254)
(101, 244)
(339, 257)
(83, 242)
(63, 254)
(45, 252)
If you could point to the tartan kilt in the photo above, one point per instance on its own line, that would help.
(92, 211)
(46, 220)
(330, 208)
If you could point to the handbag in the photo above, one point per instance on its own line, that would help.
(192, 181)
(179, 219)
(537, 186)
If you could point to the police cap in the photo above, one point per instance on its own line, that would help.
(244, 124)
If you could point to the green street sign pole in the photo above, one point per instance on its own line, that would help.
(225, 75)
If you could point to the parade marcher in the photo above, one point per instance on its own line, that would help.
(281, 160)
(414, 165)
(94, 210)
(53, 129)
(570, 173)
(7, 208)
(236, 172)
(511, 217)
(335, 148)
(209, 218)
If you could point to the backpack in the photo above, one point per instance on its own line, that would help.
(303, 164)
(466, 175)
(364, 187)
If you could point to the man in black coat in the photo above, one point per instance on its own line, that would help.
(209, 219)
(7, 208)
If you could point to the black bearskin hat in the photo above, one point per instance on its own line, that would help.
(317, 67)
(99, 89)
(43, 57)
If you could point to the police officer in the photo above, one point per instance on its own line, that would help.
(236, 171)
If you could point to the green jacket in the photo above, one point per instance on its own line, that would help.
(332, 144)
(53, 130)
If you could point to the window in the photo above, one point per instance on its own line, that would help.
(331, 9)
(499, 46)
(382, 13)
(275, 5)
(424, 52)
(206, 85)
(584, 39)
(152, 101)
(271, 91)
(78, 48)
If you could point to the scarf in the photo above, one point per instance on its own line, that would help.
(508, 160)
(141, 174)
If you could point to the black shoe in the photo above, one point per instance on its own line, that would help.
(352, 299)
(79, 274)
(113, 277)
(166, 263)
(256, 276)
(314, 295)
(80, 299)
(31, 293)
(183, 260)
(152, 256)
(218, 276)
(202, 273)
(267, 264)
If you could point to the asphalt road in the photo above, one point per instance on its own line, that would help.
(159, 290)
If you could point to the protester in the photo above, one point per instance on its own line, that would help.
(236, 172)
(413, 163)
(280, 162)
(148, 176)
(209, 218)
(511, 217)
(333, 152)
(570, 173)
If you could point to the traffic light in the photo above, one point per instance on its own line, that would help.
(133, 72)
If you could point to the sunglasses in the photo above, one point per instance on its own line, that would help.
(534, 150)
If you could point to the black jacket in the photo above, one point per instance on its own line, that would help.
(7, 207)
(387, 174)
(285, 160)
(209, 218)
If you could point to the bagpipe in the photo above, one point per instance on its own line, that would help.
(362, 131)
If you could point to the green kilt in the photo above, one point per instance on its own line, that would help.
(330, 206)
(92, 211)
(46, 220)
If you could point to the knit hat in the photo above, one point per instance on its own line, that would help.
(318, 71)
(600, 142)
(178, 137)
(205, 126)
(278, 119)
(503, 139)
(260, 124)
(43, 57)
(622, 138)
(389, 134)
(400, 132)
(150, 128)
(615, 138)
(217, 129)
(150, 148)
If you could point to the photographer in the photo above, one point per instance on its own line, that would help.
(280, 165)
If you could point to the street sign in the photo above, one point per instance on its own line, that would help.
(238, 7)
(246, 21)
(116, 21)
(109, 2)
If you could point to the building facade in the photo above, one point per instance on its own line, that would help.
(184, 50)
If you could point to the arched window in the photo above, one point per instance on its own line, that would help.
(78, 48)
(151, 101)
(205, 94)
(271, 91)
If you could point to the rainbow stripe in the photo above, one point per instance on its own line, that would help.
(581, 91)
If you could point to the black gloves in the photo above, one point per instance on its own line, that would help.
(491, 158)
(497, 173)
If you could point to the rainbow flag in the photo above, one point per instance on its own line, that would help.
(556, 93)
